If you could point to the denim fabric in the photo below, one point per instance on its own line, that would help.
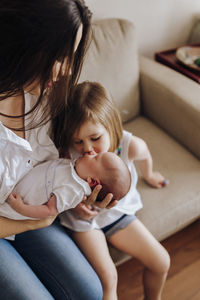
(120, 223)
(60, 271)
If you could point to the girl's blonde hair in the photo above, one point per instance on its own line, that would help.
(91, 102)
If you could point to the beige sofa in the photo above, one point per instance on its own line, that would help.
(161, 106)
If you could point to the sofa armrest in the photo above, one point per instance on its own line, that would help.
(171, 100)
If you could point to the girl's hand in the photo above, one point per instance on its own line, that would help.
(85, 211)
(156, 180)
(108, 201)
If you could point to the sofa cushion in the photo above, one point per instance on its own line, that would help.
(112, 60)
(171, 100)
(170, 209)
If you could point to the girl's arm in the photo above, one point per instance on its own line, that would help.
(9, 227)
(139, 151)
(33, 211)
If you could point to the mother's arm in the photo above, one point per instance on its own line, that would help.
(9, 227)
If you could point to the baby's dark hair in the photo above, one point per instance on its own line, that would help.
(117, 180)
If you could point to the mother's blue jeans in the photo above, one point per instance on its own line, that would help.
(46, 264)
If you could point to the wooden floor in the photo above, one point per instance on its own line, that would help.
(183, 281)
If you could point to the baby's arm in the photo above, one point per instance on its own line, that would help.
(139, 151)
(33, 211)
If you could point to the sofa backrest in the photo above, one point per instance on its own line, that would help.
(112, 60)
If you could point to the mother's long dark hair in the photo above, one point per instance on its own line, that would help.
(34, 35)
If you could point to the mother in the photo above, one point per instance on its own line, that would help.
(42, 42)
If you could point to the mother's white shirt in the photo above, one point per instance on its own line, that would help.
(18, 155)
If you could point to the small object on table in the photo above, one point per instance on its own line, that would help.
(197, 61)
(169, 58)
(189, 56)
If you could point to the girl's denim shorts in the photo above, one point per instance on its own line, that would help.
(121, 223)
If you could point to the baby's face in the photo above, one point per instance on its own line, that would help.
(90, 166)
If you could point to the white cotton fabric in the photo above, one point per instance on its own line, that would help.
(128, 205)
(54, 176)
(15, 160)
(32, 169)
(18, 156)
(43, 148)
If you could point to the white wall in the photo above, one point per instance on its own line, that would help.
(161, 24)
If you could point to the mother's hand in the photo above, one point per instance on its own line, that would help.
(9, 227)
(42, 223)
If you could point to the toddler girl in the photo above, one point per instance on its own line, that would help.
(97, 128)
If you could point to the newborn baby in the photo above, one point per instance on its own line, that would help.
(106, 169)
(64, 183)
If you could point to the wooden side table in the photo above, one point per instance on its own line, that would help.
(169, 59)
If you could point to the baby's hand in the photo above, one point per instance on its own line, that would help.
(16, 202)
(157, 180)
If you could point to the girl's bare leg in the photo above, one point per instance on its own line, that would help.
(94, 246)
(138, 242)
